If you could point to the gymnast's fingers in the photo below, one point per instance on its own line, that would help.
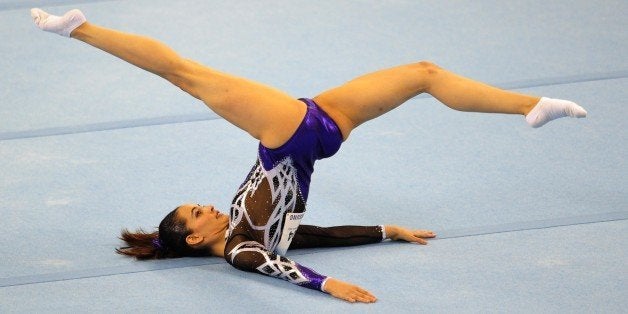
(361, 295)
(419, 240)
(424, 233)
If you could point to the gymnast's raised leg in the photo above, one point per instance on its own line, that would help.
(264, 112)
(374, 94)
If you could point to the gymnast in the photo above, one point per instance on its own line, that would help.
(265, 214)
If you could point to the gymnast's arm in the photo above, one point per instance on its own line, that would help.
(312, 236)
(251, 256)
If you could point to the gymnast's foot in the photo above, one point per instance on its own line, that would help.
(62, 25)
(548, 109)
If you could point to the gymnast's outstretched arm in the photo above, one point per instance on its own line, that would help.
(308, 236)
(245, 254)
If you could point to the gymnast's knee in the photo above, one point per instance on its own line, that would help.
(425, 74)
(425, 67)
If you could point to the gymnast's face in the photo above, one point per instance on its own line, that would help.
(205, 222)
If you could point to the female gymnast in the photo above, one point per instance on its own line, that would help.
(264, 220)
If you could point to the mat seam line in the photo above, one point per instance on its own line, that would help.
(99, 127)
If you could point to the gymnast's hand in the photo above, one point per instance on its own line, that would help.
(402, 234)
(348, 292)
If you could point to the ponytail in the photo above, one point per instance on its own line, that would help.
(142, 245)
(168, 242)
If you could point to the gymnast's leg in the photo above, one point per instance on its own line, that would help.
(264, 112)
(372, 95)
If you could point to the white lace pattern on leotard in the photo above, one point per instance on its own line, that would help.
(282, 194)
(273, 264)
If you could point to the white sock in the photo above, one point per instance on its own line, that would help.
(548, 109)
(62, 25)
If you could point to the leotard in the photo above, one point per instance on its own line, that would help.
(267, 208)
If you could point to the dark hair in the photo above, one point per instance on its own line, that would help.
(167, 242)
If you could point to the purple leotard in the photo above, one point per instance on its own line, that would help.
(267, 208)
(316, 138)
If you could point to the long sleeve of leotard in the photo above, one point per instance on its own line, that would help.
(252, 256)
(313, 236)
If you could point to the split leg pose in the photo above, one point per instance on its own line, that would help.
(277, 114)
(293, 134)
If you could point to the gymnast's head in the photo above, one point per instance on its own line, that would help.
(188, 230)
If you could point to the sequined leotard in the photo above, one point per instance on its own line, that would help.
(267, 209)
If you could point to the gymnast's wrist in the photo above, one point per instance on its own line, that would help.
(324, 283)
(389, 232)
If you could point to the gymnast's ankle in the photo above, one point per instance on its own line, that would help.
(548, 109)
(63, 25)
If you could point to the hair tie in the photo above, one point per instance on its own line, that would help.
(158, 244)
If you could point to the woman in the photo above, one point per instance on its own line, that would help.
(264, 220)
